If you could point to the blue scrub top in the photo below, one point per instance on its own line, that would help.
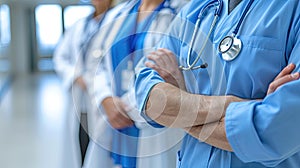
(262, 133)
(128, 46)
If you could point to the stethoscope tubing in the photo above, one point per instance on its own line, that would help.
(217, 13)
(236, 30)
(192, 66)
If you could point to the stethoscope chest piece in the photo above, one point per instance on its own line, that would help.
(98, 53)
(230, 47)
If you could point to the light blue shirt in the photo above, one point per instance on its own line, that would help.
(262, 133)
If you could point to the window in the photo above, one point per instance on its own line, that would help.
(50, 19)
(48, 28)
(5, 34)
(74, 13)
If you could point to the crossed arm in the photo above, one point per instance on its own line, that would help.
(168, 102)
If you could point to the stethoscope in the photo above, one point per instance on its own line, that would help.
(229, 47)
(89, 34)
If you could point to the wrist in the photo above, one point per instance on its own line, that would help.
(208, 108)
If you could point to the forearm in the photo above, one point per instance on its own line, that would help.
(172, 107)
(213, 134)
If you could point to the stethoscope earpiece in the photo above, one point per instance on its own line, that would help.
(205, 65)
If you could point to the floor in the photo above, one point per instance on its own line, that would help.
(33, 117)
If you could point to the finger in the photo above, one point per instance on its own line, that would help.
(165, 51)
(170, 55)
(119, 102)
(128, 122)
(163, 56)
(287, 70)
(157, 68)
(124, 122)
(118, 125)
(153, 66)
(121, 122)
(115, 124)
(124, 106)
(157, 59)
(279, 82)
(165, 74)
(115, 121)
(172, 58)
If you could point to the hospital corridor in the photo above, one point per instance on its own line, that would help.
(48, 118)
(35, 109)
(33, 124)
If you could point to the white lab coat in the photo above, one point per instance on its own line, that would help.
(157, 147)
(69, 66)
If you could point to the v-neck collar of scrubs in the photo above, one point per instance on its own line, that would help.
(232, 4)
(224, 25)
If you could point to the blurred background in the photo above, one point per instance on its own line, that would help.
(33, 104)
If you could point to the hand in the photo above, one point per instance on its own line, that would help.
(167, 67)
(80, 82)
(116, 111)
(283, 77)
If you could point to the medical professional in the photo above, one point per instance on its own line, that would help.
(72, 65)
(139, 26)
(239, 101)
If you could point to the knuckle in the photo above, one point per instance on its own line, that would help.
(169, 53)
(290, 77)
(151, 57)
(173, 72)
(150, 65)
(163, 75)
(156, 56)
(272, 86)
(154, 66)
